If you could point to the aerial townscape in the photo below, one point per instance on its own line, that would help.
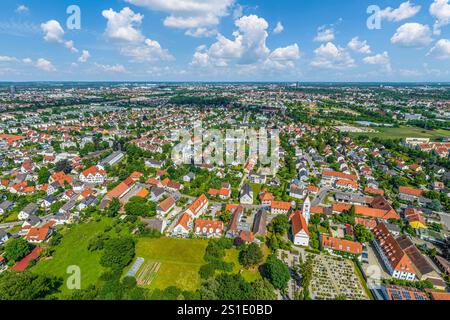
(357, 207)
(224, 158)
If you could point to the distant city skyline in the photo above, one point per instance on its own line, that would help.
(225, 40)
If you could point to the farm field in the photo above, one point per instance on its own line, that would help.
(73, 251)
(405, 132)
(176, 261)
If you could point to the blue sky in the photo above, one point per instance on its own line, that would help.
(225, 40)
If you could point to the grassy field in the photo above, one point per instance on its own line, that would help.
(73, 251)
(232, 255)
(405, 132)
(180, 261)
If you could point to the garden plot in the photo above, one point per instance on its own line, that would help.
(148, 273)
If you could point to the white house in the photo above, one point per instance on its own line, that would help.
(29, 210)
(94, 175)
(183, 226)
(246, 196)
(208, 228)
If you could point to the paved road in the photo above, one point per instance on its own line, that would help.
(323, 193)
(245, 206)
(10, 225)
(445, 218)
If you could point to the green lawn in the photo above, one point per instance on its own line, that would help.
(180, 261)
(232, 255)
(405, 132)
(73, 251)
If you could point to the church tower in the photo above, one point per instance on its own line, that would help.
(306, 211)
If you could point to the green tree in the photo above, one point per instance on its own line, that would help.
(113, 208)
(250, 256)
(277, 272)
(118, 252)
(43, 175)
(363, 234)
(280, 224)
(25, 285)
(263, 290)
(16, 249)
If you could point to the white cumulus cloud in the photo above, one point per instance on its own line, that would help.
(359, 46)
(413, 35)
(441, 50)
(116, 68)
(324, 34)
(330, 56)
(45, 65)
(124, 27)
(22, 9)
(190, 14)
(440, 9)
(53, 32)
(278, 28)
(247, 48)
(404, 11)
(85, 55)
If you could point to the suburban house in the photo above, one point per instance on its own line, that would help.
(208, 228)
(152, 163)
(93, 175)
(347, 185)
(157, 193)
(300, 232)
(165, 207)
(189, 177)
(3, 236)
(266, 198)
(61, 178)
(333, 245)
(329, 178)
(36, 235)
(198, 207)
(183, 226)
(414, 218)
(246, 195)
(409, 194)
(29, 210)
(280, 207)
(5, 206)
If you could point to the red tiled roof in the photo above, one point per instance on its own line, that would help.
(341, 245)
(197, 204)
(340, 175)
(411, 191)
(184, 221)
(281, 205)
(167, 204)
(299, 223)
(374, 191)
(37, 234)
(94, 170)
(25, 262)
(214, 224)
